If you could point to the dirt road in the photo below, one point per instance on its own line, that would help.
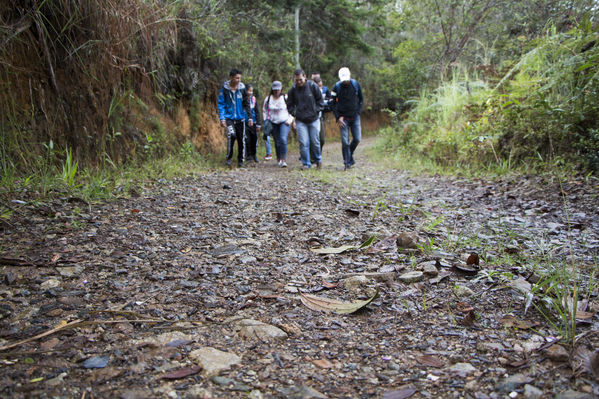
(194, 288)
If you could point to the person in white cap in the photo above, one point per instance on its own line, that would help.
(275, 110)
(347, 106)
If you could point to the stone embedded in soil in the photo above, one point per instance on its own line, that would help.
(213, 361)
(513, 382)
(301, 392)
(532, 392)
(461, 291)
(96, 362)
(411, 277)
(557, 353)
(355, 284)
(429, 268)
(463, 369)
(256, 329)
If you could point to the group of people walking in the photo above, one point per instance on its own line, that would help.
(302, 108)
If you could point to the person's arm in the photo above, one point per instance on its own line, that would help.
(360, 99)
(221, 107)
(290, 101)
(335, 102)
(258, 119)
(245, 103)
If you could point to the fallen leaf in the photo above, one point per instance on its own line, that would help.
(473, 259)
(352, 212)
(323, 363)
(181, 373)
(55, 258)
(430, 360)
(510, 321)
(322, 304)
(343, 248)
(186, 250)
(580, 315)
(326, 284)
(468, 320)
(402, 393)
(135, 211)
(463, 307)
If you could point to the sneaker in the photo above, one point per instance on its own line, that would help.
(268, 157)
(283, 164)
(347, 167)
(306, 167)
(241, 165)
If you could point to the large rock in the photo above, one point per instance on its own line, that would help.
(256, 329)
(213, 361)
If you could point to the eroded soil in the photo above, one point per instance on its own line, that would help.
(150, 284)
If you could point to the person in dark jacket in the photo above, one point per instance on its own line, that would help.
(233, 110)
(252, 131)
(304, 102)
(326, 97)
(347, 106)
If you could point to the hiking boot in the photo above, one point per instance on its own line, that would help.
(283, 164)
(268, 157)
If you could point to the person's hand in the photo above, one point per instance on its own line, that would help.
(293, 125)
(341, 122)
(223, 123)
(250, 123)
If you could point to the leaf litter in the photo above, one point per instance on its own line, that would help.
(164, 284)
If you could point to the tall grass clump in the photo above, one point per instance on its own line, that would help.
(542, 113)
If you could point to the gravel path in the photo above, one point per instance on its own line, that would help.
(212, 287)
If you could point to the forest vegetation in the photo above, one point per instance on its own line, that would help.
(490, 85)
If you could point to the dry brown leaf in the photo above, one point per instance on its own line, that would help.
(326, 284)
(323, 363)
(473, 259)
(510, 321)
(323, 304)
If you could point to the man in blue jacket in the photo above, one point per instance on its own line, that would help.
(347, 106)
(233, 110)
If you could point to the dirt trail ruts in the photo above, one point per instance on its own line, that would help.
(193, 288)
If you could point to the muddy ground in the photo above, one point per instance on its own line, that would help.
(212, 286)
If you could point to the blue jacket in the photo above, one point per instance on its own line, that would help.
(233, 105)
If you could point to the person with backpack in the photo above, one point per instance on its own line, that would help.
(233, 111)
(348, 101)
(304, 102)
(252, 131)
(275, 112)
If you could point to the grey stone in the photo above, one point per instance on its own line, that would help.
(411, 277)
(532, 392)
(513, 382)
(256, 329)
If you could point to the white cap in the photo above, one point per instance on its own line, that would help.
(344, 74)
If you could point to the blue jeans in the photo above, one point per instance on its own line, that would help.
(280, 132)
(267, 145)
(348, 148)
(308, 135)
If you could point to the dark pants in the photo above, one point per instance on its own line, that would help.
(251, 142)
(236, 131)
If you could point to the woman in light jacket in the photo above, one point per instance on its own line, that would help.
(275, 110)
